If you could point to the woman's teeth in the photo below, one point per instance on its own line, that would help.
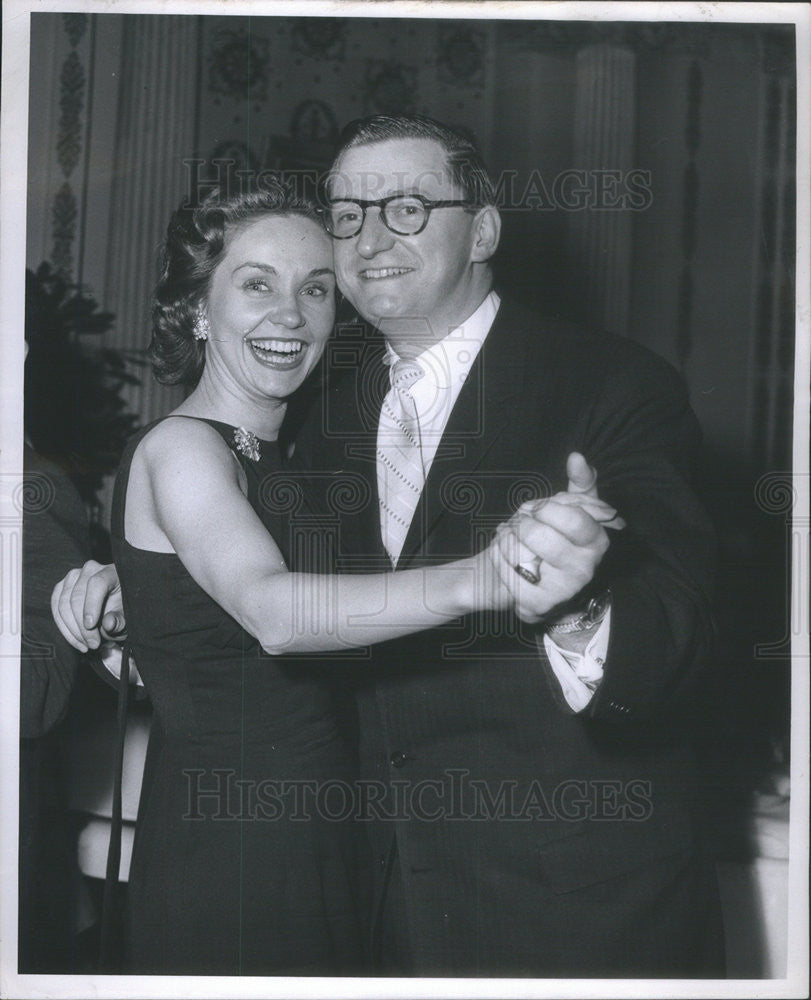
(277, 346)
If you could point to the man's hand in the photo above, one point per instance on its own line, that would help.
(561, 540)
(581, 491)
(87, 608)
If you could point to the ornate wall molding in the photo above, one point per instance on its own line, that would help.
(70, 140)
(64, 213)
(461, 53)
(239, 66)
(319, 37)
(75, 27)
(390, 87)
(71, 103)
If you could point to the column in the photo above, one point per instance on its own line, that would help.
(599, 232)
(155, 133)
(771, 352)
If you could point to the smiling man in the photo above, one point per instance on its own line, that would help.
(550, 828)
(415, 285)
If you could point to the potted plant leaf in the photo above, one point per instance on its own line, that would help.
(75, 413)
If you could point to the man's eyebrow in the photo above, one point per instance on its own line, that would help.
(402, 193)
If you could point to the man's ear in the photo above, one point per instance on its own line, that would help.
(486, 233)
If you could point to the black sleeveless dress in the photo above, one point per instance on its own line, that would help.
(246, 858)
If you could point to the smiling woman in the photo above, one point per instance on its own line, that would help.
(242, 312)
(268, 312)
(231, 265)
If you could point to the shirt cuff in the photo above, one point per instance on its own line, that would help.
(579, 674)
(110, 655)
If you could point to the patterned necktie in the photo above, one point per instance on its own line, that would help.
(400, 474)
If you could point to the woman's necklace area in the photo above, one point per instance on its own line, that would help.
(247, 443)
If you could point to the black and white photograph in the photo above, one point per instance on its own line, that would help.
(404, 499)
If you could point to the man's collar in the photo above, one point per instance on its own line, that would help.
(445, 362)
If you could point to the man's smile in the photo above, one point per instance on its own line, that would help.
(375, 273)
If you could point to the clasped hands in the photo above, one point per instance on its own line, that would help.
(550, 549)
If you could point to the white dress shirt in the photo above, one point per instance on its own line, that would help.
(446, 366)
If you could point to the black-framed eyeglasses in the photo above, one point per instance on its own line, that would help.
(404, 214)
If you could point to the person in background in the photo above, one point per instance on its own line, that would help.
(55, 536)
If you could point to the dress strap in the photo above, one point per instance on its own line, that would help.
(123, 478)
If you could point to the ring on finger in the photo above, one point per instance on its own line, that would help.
(529, 571)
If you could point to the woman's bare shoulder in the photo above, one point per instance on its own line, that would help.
(189, 440)
(179, 430)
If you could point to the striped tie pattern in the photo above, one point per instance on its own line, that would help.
(400, 473)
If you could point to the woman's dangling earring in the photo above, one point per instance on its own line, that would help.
(201, 327)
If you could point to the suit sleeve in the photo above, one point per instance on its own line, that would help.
(55, 539)
(644, 440)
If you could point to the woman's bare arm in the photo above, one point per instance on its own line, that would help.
(197, 503)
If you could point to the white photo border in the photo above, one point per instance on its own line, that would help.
(13, 185)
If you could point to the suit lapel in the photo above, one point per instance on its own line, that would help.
(481, 417)
(353, 392)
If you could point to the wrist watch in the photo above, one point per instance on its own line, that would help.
(595, 612)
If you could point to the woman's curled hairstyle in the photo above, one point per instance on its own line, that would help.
(194, 245)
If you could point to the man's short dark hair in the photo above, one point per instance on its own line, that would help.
(467, 169)
(194, 245)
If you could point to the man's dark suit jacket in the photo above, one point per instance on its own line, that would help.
(532, 840)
